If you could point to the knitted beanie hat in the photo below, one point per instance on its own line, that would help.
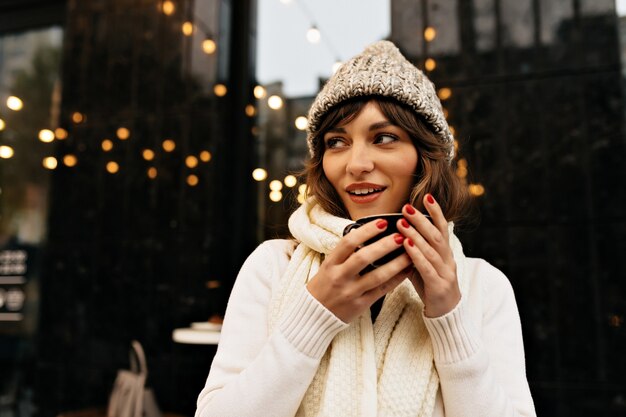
(381, 70)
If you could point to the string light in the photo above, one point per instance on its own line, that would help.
(15, 103)
(148, 154)
(192, 180)
(112, 167)
(123, 133)
(220, 90)
(2, 125)
(152, 173)
(77, 117)
(107, 145)
(259, 174)
(60, 133)
(6, 152)
(430, 64)
(70, 160)
(313, 35)
(275, 102)
(430, 33)
(169, 145)
(191, 161)
(290, 181)
(46, 135)
(301, 123)
(169, 8)
(188, 28)
(50, 162)
(205, 156)
(476, 190)
(302, 189)
(276, 196)
(276, 185)
(259, 92)
(444, 93)
(209, 46)
(250, 110)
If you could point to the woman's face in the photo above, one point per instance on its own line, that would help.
(370, 163)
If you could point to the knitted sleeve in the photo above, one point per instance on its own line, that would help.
(257, 373)
(482, 373)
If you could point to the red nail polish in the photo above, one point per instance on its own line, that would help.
(404, 223)
(381, 224)
(410, 242)
(398, 238)
(409, 209)
(430, 199)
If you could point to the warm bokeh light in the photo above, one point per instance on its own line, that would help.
(452, 130)
(430, 64)
(313, 35)
(205, 156)
(70, 160)
(276, 196)
(259, 92)
(276, 185)
(191, 161)
(46, 135)
(275, 102)
(77, 117)
(444, 93)
(188, 28)
(107, 145)
(445, 113)
(112, 167)
(336, 66)
(15, 103)
(152, 173)
(462, 163)
(169, 145)
(50, 162)
(2, 125)
(250, 110)
(430, 33)
(220, 90)
(6, 152)
(60, 133)
(192, 180)
(169, 7)
(456, 146)
(209, 46)
(461, 172)
(476, 190)
(123, 133)
(259, 174)
(301, 123)
(300, 198)
(148, 154)
(290, 181)
(302, 189)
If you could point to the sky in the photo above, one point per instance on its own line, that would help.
(283, 52)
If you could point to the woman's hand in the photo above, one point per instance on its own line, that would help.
(338, 285)
(434, 277)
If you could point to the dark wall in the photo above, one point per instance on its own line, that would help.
(541, 126)
(129, 256)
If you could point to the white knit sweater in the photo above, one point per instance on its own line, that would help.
(478, 347)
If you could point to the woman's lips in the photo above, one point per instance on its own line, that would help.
(365, 198)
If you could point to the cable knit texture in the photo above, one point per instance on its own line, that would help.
(382, 70)
(386, 369)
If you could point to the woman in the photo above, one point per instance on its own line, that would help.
(304, 333)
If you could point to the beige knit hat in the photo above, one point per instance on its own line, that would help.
(382, 70)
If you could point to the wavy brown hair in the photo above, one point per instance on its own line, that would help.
(434, 173)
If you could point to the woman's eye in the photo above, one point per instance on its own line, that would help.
(333, 143)
(385, 139)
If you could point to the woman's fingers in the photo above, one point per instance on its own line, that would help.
(355, 239)
(434, 231)
(380, 279)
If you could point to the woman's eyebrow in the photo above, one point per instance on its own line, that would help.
(336, 130)
(381, 125)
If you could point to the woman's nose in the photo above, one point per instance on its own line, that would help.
(360, 160)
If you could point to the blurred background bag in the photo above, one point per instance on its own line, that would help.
(130, 397)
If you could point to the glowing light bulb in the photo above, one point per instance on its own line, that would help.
(205, 156)
(290, 181)
(302, 189)
(77, 117)
(15, 103)
(220, 90)
(188, 28)
(301, 123)
(6, 152)
(152, 173)
(430, 64)
(313, 35)
(169, 145)
(50, 162)
(275, 102)
(191, 161)
(276, 185)
(192, 180)
(444, 93)
(148, 154)
(112, 167)
(276, 196)
(123, 133)
(209, 46)
(70, 160)
(2, 125)
(107, 145)
(430, 33)
(259, 174)
(60, 133)
(250, 110)
(46, 135)
(168, 7)
(259, 92)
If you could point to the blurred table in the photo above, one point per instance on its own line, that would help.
(198, 334)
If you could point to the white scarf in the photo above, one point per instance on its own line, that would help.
(385, 369)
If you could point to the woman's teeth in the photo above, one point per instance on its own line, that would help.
(364, 191)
